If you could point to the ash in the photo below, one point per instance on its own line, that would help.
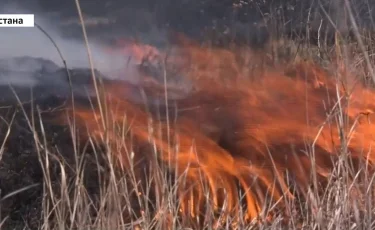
(42, 90)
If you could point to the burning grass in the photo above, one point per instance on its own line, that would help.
(249, 144)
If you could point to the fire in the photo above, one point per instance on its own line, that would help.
(242, 127)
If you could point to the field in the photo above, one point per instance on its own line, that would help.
(216, 133)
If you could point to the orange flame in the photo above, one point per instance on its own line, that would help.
(240, 128)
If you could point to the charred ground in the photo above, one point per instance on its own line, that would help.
(20, 165)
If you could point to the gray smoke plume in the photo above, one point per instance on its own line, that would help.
(24, 51)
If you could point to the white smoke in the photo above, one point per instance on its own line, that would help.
(16, 42)
(31, 42)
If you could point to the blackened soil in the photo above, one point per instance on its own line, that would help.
(29, 126)
(21, 158)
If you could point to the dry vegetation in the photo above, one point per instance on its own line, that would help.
(273, 138)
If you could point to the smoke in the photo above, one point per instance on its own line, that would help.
(16, 42)
(41, 53)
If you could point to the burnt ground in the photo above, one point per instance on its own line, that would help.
(20, 165)
(35, 89)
